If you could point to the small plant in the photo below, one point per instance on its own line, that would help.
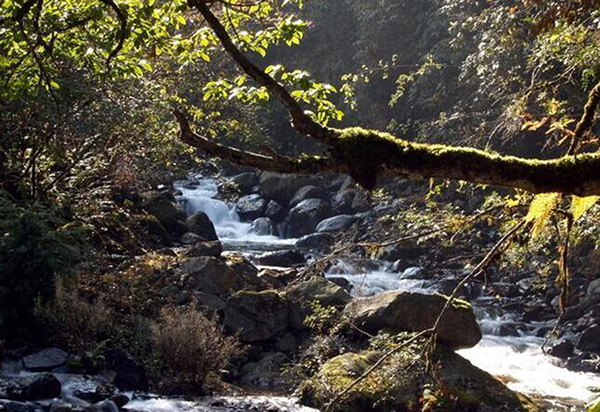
(192, 345)
(322, 319)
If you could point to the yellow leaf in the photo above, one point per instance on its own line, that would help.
(580, 205)
(540, 210)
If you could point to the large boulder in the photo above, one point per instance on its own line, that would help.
(308, 192)
(32, 388)
(129, 375)
(246, 181)
(211, 248)
(262, 226)
(318, 289)
(282, 187)
(316, 241)
(246, 271)
(404, 382)
(352, 201)
(210, 275)
(256, 316)
(200, 224)
(162, 205)
(281, 258)
(250, 207)
(336, 223)
(400, 251)
(410, 311)
(275, 211)
(589, 340)
(45, 360)
(305, 216)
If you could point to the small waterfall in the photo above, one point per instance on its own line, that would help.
(200, 194)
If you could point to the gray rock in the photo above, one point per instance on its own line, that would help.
(262, 226)
(320, 289)
(190, 238)
(163, 207)
(316, 241)
(352, 201)
(409, 311)
(104, 406)
(336, 223)
(245, 181)
(282, 187)
(308, 192)
(128, 374)
(266, 372)
(305, 216)
(210, 303)
(211, 275)
(562, 350)
(246, 271)
(275, 211)
(287, 343)
(7, 406)
(200, 224)
(45, 360)
(594, 287)
(210, 248)
(281, 258)
(403, 251)
(250, 207)
(256, 316)
(589, 340)
(33, 388)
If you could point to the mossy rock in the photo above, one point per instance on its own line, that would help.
(404, 383)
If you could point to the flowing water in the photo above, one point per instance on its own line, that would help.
(516, 360)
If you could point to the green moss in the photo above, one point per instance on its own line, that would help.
(369, 153)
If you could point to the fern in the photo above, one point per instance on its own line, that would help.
(540, 210)
(580, 205)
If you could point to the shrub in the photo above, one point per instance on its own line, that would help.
(75, 323)
(35, 245)
(193, 346)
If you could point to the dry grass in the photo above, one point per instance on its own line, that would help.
(194, 346)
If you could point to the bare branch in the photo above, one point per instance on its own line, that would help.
(587, 119)
(122, 16)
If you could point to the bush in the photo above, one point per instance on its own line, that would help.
(35, 245)
(193, 346)
(75, 323)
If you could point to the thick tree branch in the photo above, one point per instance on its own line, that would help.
(122, 17)
(274, 163)
(301, 121)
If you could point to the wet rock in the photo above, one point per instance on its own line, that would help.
(104, 406)
(45, 360)
(320, 289)
(200, 224)
(308, 192)
(210, 248)
(409, 311)
(129, 375)
(7, 406)
(336, 223)
(256, 316)
(209, 303)
(246, 181)
(250, 207)
(305, 216)
(413, 273)
(342, 282)
(275, 211)
(33, 388)
(271, 278)
(120, 400)
(562, 350)
(211, 275)
(316, 241)
(246, 271)
(281, 258)
(99, 393)
(583, 362)
(404, 251)
(457, 383)
(589, 340)
(262, 226)
(281, 187)
(264, 373)
(352, 201)
(162, 205)
(594, 287)
(190, 238)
